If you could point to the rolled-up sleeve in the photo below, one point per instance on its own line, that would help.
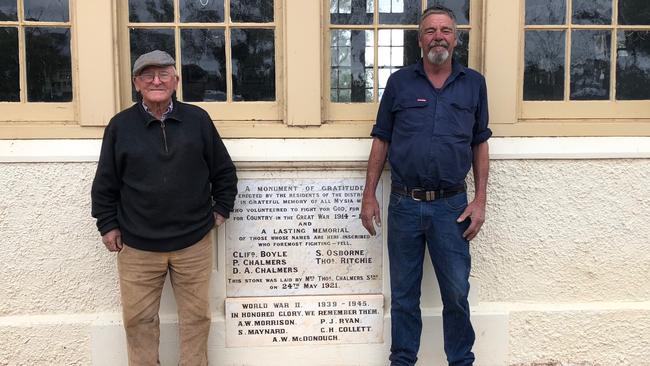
(383, 128)
(481, 130)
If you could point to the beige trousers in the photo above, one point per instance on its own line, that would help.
(142, 275)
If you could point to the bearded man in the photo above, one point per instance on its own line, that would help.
(432, 124)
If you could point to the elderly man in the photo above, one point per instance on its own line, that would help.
(432, 124)
(163, 181)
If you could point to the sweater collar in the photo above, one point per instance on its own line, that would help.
(172, 112)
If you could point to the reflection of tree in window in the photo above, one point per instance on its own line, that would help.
(50, 10)
(49, 72)
(634, 12)
(202, 11)
(590, 64)
(203, 65)
(545, 12)
(592, 11)
(10, 73)
(8, 10)
(633, 65)
(252, 11)
(253, 64)
(544, 65)
(157, 11)
(459, 7)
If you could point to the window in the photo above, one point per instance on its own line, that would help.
(36, 79)
(586, 59)
(226, 52)
(370, 39)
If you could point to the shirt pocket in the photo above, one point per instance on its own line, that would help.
(458, 120)
(411, 115)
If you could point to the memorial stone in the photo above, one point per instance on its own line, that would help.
(300, 237)
(288, 238)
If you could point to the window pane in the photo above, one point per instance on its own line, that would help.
(459, 7)
(396, 48)
(201, 11)
(352, 60)
(634, 12)
(461, 52)
(352, 11)
(46, 10)
(592, 11)
(49, 71)
(253, 64)
(147, 40)
(545, 12)
(590, 64)
(544, 65)
(203, 56)
(633, 65)
(8, 10)
(399, 11)
(252, 11)
(10, 74)
(157, 11)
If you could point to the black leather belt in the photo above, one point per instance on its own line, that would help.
(420, 194)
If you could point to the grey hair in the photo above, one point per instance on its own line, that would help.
(436, 9)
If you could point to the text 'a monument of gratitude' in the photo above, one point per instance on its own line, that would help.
(289, 238)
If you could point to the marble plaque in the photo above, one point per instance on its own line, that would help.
(300, 320)
(300, 237)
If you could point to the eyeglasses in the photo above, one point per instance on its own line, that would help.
(163, 76)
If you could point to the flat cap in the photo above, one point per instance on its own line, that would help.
(153, 58)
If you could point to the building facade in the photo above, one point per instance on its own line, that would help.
(559, 270)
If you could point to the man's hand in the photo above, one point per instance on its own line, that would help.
(476, 211)
(370, 213)
(113, 240)
(218, 219)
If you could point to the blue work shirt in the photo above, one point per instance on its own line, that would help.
(431, 131)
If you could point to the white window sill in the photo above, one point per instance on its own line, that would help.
(343, 150)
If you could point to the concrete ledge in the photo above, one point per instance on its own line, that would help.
(343, 150)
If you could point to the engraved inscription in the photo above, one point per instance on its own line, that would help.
(304, 320)
(300, 237)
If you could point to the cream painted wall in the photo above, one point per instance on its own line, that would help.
(564, 255)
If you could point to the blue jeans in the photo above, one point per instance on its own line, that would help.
(411, 225)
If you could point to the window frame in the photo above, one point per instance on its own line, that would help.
(503, 70)
(233, 115)
(23, 111)
(567, 109)
(360, 115)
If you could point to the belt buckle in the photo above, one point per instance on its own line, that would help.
(413, 191)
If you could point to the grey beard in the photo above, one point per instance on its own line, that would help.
(437, 58)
